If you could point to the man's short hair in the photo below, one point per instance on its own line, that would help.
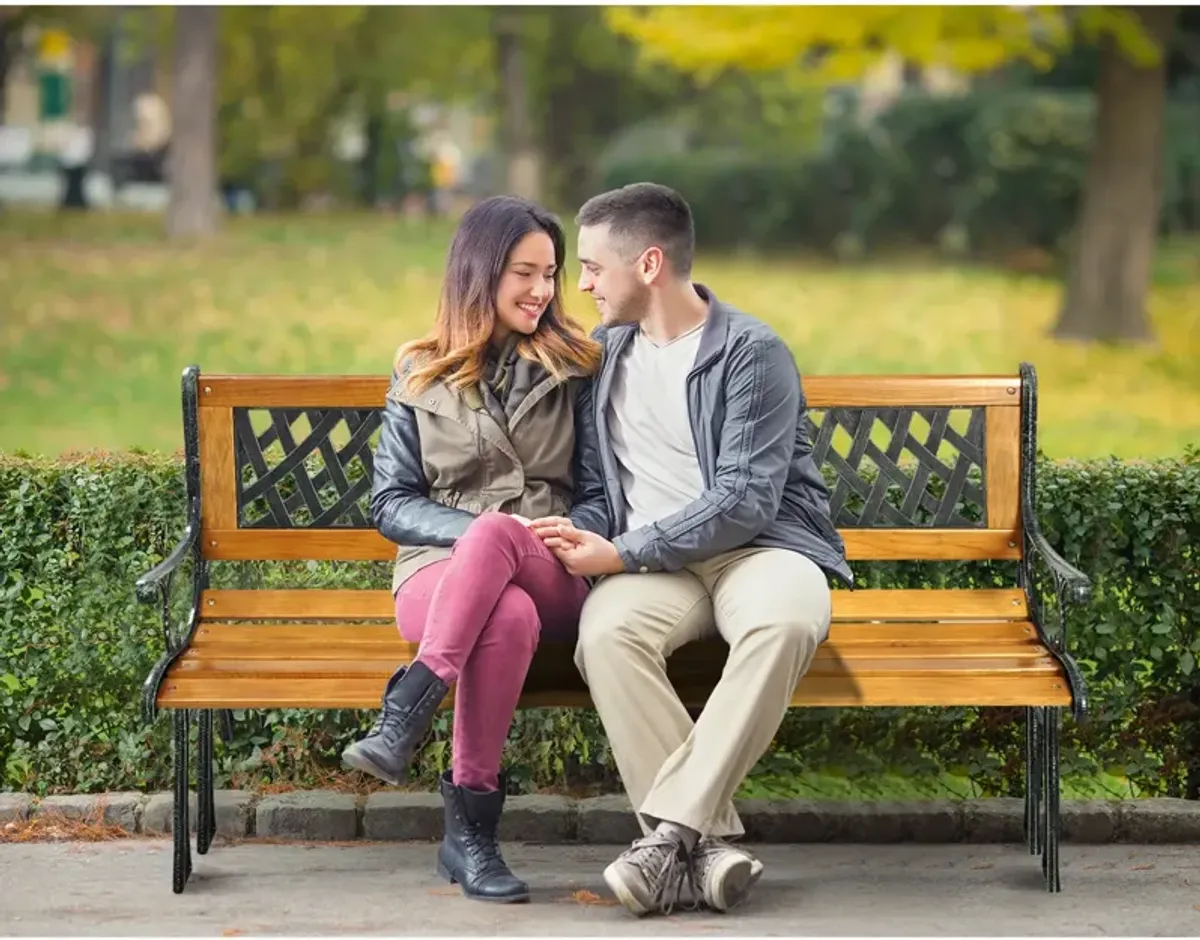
(646, 214)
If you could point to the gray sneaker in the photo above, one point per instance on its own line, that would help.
(652, 876)
(724, 873)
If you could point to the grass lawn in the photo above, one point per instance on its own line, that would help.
(98, 317)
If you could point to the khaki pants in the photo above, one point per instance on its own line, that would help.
(773, 609)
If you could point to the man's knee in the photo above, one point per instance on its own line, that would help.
(800, 630)
(608, 631)
(601, 628)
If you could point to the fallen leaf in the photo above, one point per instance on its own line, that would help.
(1142, 868)
(583, 896)
(232, 932)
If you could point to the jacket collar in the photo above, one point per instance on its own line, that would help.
(716, 330)
(713, 338)
(440, 399)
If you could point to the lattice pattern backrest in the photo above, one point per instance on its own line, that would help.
(886, 467)
(899, 467)
(919, 467)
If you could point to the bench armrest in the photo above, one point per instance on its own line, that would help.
(154, 587)
(150, 586)
(1068, 586)
(1071, 585)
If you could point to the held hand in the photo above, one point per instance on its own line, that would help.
(582, 553)
(548, 528)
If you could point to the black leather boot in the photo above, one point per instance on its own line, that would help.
(410, 701)
(470, 852)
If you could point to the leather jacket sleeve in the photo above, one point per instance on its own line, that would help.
(589, 508)
(764, 400)
(400, 505)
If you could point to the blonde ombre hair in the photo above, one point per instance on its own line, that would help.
(455, 350)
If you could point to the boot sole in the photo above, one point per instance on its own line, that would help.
(736, 878)
(618, 887)
(357, 762)
(509, 899)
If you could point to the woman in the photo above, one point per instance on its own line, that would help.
(488, 424)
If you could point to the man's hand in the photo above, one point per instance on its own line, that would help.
(582, 553)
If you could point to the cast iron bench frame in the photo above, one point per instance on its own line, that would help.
(923, 647)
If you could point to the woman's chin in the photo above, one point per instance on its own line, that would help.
(526, 327)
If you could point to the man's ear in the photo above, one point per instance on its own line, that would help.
(650, 265)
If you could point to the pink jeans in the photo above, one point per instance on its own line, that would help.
(478, 617)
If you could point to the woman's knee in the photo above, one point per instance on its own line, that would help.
(514, 625)
(495, 528)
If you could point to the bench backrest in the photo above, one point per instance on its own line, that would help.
(920, 467)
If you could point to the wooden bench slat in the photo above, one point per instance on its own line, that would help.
(377, 641)
(900, 689)
(821, 391)
(868, 544)
(318, 666)
(859, 605)
(284, 670)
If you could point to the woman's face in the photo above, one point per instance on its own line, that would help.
(526, 286)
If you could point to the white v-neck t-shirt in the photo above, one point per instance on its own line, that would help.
(650, 430)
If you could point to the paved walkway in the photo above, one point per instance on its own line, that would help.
(123, 888)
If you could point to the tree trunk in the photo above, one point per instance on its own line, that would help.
(1113, 250)
(102, 98)
(523, 170)
(368, 165)
(11, 25)
(192, 165)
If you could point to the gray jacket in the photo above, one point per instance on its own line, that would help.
(762, 486)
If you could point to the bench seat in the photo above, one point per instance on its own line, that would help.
(886, 647)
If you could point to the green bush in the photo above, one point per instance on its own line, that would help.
(75, 647)
(990, 171)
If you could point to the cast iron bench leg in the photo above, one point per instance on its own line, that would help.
(206, 816)
(1052, 722)
(1033, 780)
(181, 823)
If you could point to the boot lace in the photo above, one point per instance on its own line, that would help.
(481, 843)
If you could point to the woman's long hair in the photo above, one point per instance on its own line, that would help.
(455, 351)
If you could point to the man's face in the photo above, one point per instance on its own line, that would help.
(611, 277)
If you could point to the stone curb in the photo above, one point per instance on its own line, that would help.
(388, 816)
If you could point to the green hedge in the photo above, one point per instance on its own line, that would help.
(75, 646)
(989, 171)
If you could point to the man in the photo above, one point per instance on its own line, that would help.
(725, 529)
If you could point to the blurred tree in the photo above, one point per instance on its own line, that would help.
(1113, 252)
(192, 210)
(1110, 262)
(510, 34)
(291, 75)
(12, 30)
(586, 85)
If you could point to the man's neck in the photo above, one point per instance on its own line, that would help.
(675, 309)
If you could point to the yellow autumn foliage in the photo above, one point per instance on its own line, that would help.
(844, 43)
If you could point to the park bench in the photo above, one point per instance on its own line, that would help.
(933, 468)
